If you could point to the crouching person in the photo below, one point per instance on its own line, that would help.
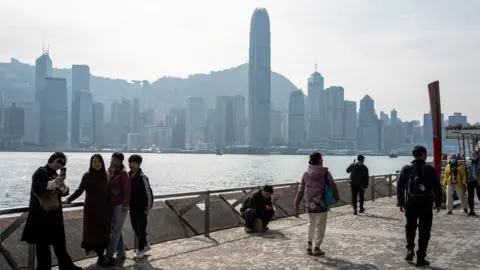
(141, 201)
(258, 206)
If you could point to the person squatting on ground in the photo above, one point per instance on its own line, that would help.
(454, 180)
(473, 181)
(141, 202)
(359, 179)
(418, 188)
(312, 191)
(258, 206)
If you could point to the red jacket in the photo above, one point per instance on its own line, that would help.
(119, 187)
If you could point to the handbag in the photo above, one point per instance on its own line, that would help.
(328, 192)
(48, 201)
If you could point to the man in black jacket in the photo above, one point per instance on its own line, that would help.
(141, 201)
(359, 178)
(421, 185)
(258, 206)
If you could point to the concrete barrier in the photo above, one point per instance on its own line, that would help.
(173, 216)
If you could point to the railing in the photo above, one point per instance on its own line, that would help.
(219, 201)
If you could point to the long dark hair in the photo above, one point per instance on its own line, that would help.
(103, 169)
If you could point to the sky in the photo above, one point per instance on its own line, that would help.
(389, 49)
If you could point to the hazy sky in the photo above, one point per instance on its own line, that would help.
(389, 49)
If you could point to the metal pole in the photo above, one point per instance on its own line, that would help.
(372, 187)
(207, 214)
(390, 185)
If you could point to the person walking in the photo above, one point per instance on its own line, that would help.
(44, 226)
(119, 199)
(141, 202)
(97, 215)
(418, 188)
(473, 181)
(359, 179)
(454, 180)
(312, 192)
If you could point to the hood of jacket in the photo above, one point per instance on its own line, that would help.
(317, 173)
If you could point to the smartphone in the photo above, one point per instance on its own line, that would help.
(63, 171)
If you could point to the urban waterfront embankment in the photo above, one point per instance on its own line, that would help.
(173, 173)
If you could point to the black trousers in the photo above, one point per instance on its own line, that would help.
(251, 214)
(44, 256)
(357, 191)
(138, 218)
(420, 217)
(471, 189)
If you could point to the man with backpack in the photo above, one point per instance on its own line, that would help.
(359, 178)
(418, 188)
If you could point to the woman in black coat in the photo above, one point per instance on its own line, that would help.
(45, 229)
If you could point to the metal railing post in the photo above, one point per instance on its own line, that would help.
(207, 214)
(390, 185)
(372, 186)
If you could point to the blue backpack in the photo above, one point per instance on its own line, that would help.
(328, 192)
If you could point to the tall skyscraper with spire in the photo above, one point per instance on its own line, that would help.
(43, 69)
(259, 80)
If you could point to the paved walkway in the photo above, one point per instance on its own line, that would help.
(374, 240)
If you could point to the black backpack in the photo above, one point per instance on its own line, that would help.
(418, 188)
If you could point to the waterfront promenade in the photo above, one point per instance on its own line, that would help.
(374, 240)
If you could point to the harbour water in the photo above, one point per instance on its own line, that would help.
(173, 173)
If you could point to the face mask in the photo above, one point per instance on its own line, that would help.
(474, 158)
(453, 161)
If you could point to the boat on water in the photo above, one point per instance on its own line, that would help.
(219, 152)
(393, 154)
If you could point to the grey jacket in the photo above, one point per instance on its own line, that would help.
(473, 171)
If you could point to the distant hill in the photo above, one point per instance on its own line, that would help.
(171, 90)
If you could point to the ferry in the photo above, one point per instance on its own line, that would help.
(393, 154)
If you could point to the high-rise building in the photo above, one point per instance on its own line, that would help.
(369, 126)
(335, 101)
(81, 125)
(195, 122)
(276, 123)
(259, 80)
(316, 110)
(80, 78)
(53, 112)
(82, 118)
(43, 69)
(393, 117)
(178, 132)
(32, 122)
(98, 123)
(229, 121)
(14, 122)
(350, 120)
(296, 119)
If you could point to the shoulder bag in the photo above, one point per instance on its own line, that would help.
(48, 201)
(328, 192)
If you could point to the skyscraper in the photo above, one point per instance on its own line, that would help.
(43, 69)
(296, 119)
(316, 123)
(82, 107)
(335, 101)
(195, 122)
(98, 122)
(53, 112)
(259, 80)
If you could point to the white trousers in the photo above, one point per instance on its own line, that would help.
(317, 224)
(460, 194)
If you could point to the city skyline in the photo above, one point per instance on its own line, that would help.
(366, 58)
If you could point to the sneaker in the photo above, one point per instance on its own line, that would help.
(309, 248)
(422, 262)
(248, 230)
(139, 254)
(362, 210)
(472, 213)
(465, 210)
(410, 256)
(147, 248)
(449, 212)
(318, 252)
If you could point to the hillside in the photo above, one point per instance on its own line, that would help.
(172, 90)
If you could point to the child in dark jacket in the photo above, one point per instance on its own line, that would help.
(141, 201)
